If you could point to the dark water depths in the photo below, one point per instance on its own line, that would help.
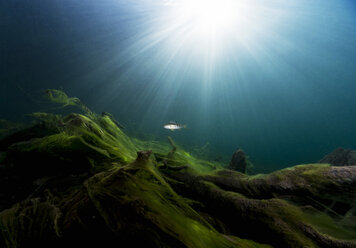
(281, 87)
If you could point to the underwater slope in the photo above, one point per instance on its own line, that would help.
(82, 190)
(283, 209)
(79, 180)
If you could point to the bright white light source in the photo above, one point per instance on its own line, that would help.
(213, 28)
(212, 16)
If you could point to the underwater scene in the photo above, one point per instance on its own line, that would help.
(178, 123)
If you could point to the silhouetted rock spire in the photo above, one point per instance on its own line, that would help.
(238, 161)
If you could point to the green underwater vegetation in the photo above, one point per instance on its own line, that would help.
(80, 181)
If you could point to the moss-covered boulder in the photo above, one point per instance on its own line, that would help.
(271, 208)
(340, 157)
(73, 143)
(78, 181)
(238, 161)
(132, 205)
(57, 147)
(322, 186)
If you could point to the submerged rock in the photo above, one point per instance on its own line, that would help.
(82, 182)
(238, 161)
(132, 206)
(287, 208)
(340, 157)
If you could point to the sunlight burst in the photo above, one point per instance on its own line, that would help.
(214, 18)
(210, 15)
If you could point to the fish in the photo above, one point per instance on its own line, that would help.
(173, 125)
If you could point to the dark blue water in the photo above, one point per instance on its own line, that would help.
(281, 85)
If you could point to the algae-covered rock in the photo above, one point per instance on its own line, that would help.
(79, 181)
(238, 161)
(147, 211)
(132, 205)
(314, 180)
(31, 223)
(79, 144)
(272, 205)
(59, 146)
(340, 157)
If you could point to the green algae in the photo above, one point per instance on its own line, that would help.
(325, 224)
(273, 215)
(29, 222)
(61, 98)
(173, 199)
(176, 156)
(140, 186)
(154, 200)
(80, 142)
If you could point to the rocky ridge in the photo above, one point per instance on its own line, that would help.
(79, 180)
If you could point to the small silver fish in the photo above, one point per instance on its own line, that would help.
(173, 125)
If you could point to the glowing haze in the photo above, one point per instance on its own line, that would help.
(211, 16)
(208, 24)
(260, 74)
